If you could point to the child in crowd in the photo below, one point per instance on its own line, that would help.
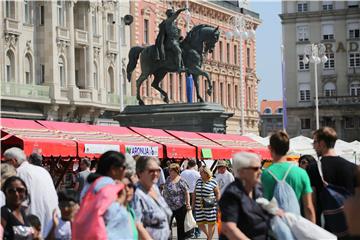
(62, 225)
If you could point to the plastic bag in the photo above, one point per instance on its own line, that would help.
(189, 222)
(304, 229)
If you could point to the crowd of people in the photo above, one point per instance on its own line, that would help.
(128, 197)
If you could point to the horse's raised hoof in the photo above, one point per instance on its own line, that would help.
(141, 102)
(209, 92)
(166, 99)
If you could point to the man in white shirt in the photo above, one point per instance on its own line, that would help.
(223, 176)
(43, 196)
(190, 175)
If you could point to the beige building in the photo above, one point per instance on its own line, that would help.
(223, 65)
(336, 24)
(64, 60)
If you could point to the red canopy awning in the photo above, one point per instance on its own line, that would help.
(205, 147)
(239, 143)
(174, 148)
(91, 143)
(32, 137)
(132, 143)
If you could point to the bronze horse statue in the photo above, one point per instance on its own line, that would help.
(199, 41)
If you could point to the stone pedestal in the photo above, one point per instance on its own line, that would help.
(194, 117)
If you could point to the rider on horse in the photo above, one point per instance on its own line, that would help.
(168, 39)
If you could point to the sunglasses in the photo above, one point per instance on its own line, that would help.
(15, 190)
(155, 170)
(130, 185)
(255, 169)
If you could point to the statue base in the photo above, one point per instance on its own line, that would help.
(194, 117)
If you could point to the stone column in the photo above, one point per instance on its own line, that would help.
(73, 90)
(90, 51)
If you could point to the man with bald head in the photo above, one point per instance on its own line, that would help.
(43, 196)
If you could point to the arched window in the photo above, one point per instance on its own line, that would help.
(28, 69)
(62, 75)
(96, 76)
(61, 13)
(110, 81)
(279, 110)
(329, 89)
(10, 66)
(267, 111)
(355, 89)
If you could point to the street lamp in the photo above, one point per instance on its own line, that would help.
(317, 54)
(240, 30)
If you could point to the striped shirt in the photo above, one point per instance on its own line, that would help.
(205, 190)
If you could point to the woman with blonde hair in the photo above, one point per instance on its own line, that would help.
(205, 198)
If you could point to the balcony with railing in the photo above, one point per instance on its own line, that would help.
(24, 91)
(62, 33)
(81, 37)
(97, 40)
(339, 100)
(112, 47)
(85, 94)
(12, 26)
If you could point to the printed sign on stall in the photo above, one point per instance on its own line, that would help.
(142, 150)
(100, 148)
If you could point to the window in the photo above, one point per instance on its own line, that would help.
(110, 81)
(236, 94)
(279, 110)
(42, 16)
(94, 23)
(249, 102)
(10, 9)
(327, 5)
(146, 31)
(110, 26)
(60, 12)
(10, 67)
(301, 64)
(42, 74)
(122, 32)
(235, 54)
(304, 93)
(27, 12)
(96, 82)
(62, 72)
(28, 69)
(353, 4)
(305, 123)
(329, 89)
(229, 96)
(220, 51)
(248, 57)
(222, 93)
(302, 33)
(349, 122)
(228, 52)
(267, 111)
(354, 59)
(327, 31)
(355, 89)
(354, 30)
(330, 63)
(302, 7)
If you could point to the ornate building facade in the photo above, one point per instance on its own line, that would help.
(222, 65)
(61, 60)
(336, 24)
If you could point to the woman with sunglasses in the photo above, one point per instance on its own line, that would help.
(13, 216)
(150, 207)
(241, 216)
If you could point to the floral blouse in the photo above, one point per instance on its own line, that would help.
(174, 193)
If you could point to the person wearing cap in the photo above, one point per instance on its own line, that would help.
(223, 176)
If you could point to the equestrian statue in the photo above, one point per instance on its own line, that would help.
(172, 54)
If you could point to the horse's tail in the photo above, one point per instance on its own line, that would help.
(134, 54)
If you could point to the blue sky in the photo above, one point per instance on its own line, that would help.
(268, 54)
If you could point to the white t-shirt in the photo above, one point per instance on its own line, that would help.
(42, 193)
(63, 230)
(224, 179)
(190, 176)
